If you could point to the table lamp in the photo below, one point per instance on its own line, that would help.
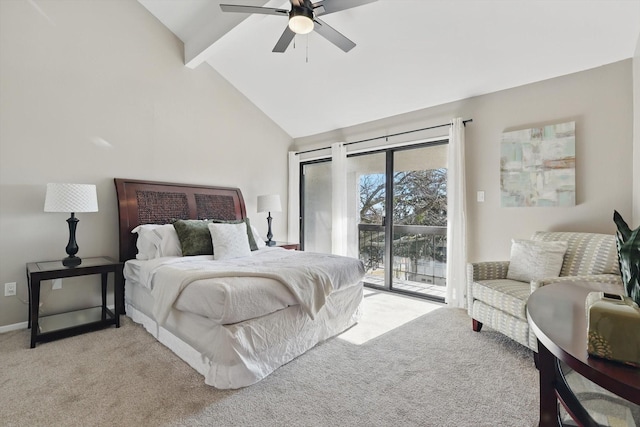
(269, 203)
(71, 198)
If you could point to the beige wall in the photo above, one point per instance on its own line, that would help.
(599, 101)
(92, 90)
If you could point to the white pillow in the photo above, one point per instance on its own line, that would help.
(532, 259)
(147, 241)
(156, 241)
(258, 238)
(169, 241)
(229, 240)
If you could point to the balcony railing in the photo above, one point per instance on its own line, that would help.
(419, 252)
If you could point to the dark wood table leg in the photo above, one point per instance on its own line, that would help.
(35, 308)
(549, 416)
(118, 294)
(29, 297)
(104, 295)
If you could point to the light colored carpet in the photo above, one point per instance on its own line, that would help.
(407, 363)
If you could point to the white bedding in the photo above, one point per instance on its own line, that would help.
(234, 353)
(227, 298)
(235, 356)
(222, 300)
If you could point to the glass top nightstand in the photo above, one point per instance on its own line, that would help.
(47, 328)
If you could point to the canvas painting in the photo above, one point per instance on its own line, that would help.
(538, 167)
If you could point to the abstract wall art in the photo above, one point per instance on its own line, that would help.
(538, 167)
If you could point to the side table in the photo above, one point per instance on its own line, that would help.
(289, 246)
(47, 328)
(557, 316)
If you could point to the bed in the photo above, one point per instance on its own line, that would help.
(234, 319)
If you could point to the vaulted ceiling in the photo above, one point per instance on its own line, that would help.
(409, 54)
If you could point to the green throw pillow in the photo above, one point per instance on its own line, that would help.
(252, 241)
(194, 236)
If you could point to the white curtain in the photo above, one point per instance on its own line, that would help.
(456, 217)
(293, 232)
(339, 199)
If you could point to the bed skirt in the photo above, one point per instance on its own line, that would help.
(241, 354)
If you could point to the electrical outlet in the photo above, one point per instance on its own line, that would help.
(480, 196)
(56, 284)
(9, 289)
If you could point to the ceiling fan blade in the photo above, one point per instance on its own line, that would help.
(253, 9)
(284, 41)
(333, 35)
(324, 7)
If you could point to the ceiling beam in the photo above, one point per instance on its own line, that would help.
(197, 48)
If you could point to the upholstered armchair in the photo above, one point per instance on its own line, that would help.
(500, 303)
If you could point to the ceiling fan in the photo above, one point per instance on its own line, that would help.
(303, 18)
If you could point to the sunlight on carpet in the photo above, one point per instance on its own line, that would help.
(383, 312)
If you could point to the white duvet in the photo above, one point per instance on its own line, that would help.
(231, 291)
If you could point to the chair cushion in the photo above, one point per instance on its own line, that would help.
(532, 260)
(510, 295)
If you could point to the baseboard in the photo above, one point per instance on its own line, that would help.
(14, 327)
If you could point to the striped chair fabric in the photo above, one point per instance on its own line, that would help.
(500, 303)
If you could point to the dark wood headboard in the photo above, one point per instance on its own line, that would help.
(149, 202)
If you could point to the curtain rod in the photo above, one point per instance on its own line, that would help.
(464, 122)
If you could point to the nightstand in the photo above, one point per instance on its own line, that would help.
(290, 246)
(47, 328)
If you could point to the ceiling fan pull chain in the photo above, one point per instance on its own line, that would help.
(307, 48)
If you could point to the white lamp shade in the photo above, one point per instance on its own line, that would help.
(71, 198)
(269, 203)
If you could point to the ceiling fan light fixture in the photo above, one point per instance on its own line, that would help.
(301, 20)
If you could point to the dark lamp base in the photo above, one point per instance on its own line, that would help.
(73, 261)
(270, 242)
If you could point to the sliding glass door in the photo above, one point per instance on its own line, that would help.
(368, 200)
(396, 216)
(315, 206)
(419, 230)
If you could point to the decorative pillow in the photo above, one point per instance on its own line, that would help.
(252, 241)
(532, 260)
(229, 240)
(194, 236)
